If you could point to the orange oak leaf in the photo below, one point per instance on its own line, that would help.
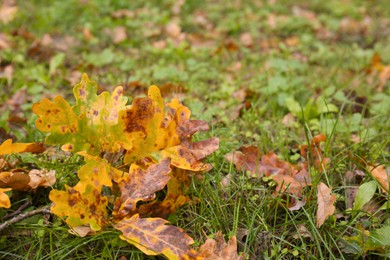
(325, 203)
(382, 176)
(314, 151)
(18, 179)
(217, 249)
(4, 199)
(160, 131)
(140, 185)
(81, 208)
(7, 147)
(153, 237)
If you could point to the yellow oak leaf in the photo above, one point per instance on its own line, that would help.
(7, 147)
(91, 125)
(80, 208)
(4, 199)
(96, 172)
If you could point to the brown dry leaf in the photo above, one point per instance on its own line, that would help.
(118, 34)
(217, 249)
(303, 232)
(17, 180)
(161, 44)
(325, 203)
(176, 188)
(82, 231)
(173, 30)
(246, 39)
(381, 174)
(353, 27)
(7, 72)
(296, 204)
(289, 184)
(307, 14)
(41, 178)
(140, 185)
(123, 13)
(8, 11)
(4, 41)
(320, 162)
(289, 120)
(249, 159)
(74, 77)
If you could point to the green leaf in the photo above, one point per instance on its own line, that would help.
(382, 236)
(364, 194)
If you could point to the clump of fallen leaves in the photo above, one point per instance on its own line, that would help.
(291, 179)
(153, 141)
(12, 178)
(218, 249)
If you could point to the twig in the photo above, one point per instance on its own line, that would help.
(44, 210)
(18, 211)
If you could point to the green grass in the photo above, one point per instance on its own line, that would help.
(310, 69)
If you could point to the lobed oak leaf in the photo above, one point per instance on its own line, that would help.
(96, 171)
(159, 131)
(81, 208)
(153, 237)
(325, 203)
(4, 199)
(217, 249)
(140, 185)
(91, 125)
(7, 147)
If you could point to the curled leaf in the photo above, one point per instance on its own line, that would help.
(7, 147)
